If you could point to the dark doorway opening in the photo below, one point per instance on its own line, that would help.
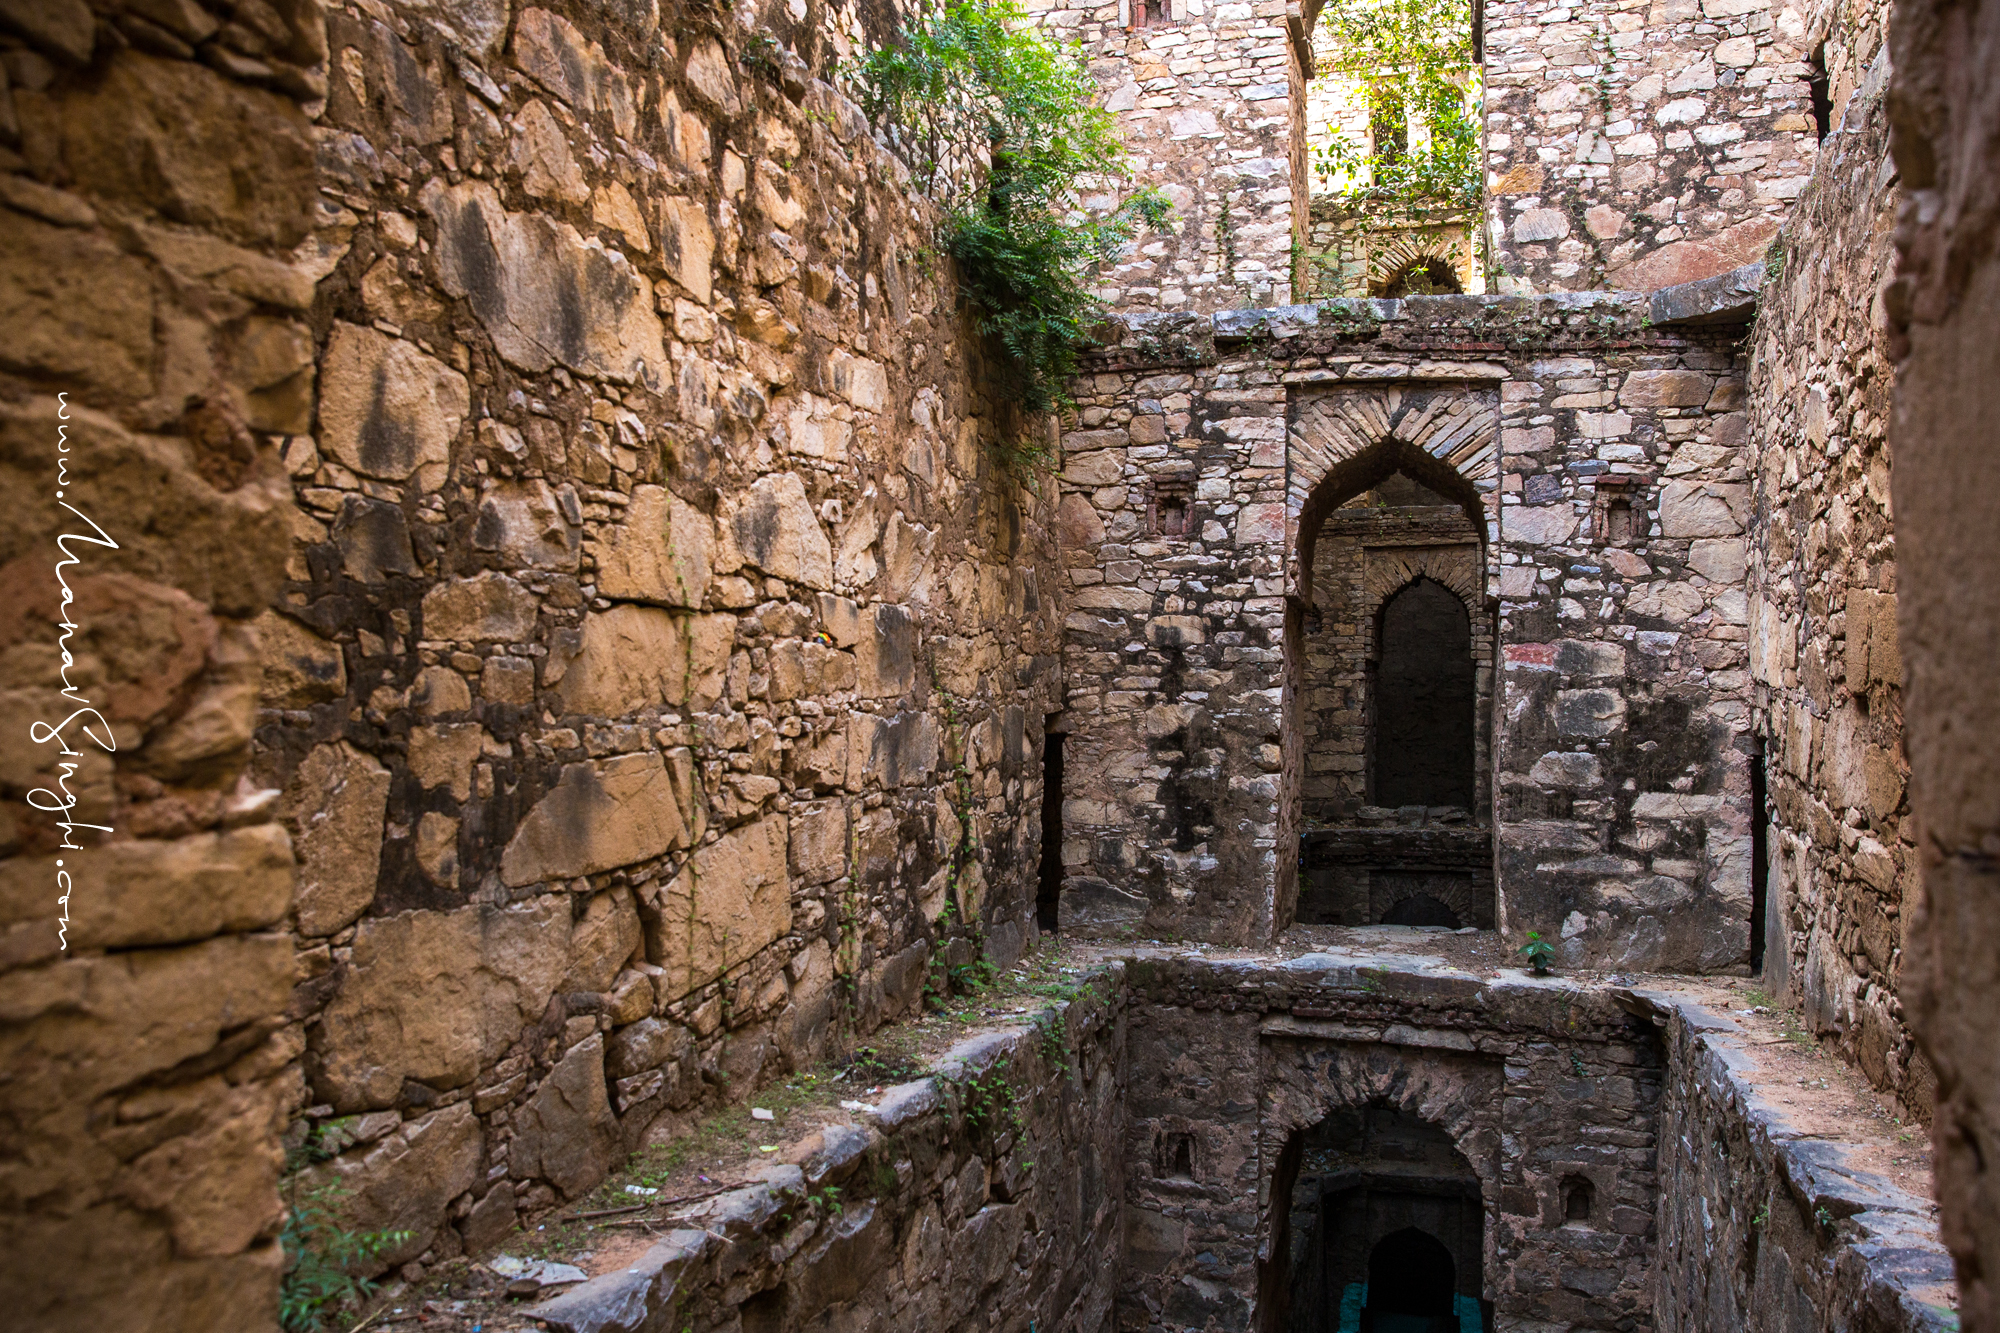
(1760, 868)
(1410, 1281)
(1424, 704)
(1048, 895)
(1420, 909)
(1820, 85)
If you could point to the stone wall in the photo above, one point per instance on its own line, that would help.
(1766, 1224)
(155, 169)
(1621, 783)
(1824, 653)
(986, 1196)
(1211, 101)
(1944, 106)
(656, 677)
(1643, 144)
(1364, 249)
(1536, 1084)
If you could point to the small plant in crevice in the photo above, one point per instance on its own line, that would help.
(988, 1102)
(1539, 953)
(1003, 129)
(321, 1253)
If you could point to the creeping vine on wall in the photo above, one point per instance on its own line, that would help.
(1002, 128)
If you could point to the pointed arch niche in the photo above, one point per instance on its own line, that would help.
(1389, 653)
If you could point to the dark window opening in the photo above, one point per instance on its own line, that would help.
(1425, 277)
(1424, 685)
(1410, 1273)
(1420, 909)
(1175, 1155)
(1151, 13)
(1579, 1197)
(1618, 522)
(1173, 512)
(1760, 851)
(1821, 87)
(1048, 895)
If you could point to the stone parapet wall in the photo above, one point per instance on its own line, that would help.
(1824, 648)
(1535, 1082)
(1769, 1225)
(989, 1195)
(156, 167)
(1212, 104)
(1643, 144)
(1621, 782)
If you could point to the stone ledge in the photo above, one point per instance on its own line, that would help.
(1726, 298)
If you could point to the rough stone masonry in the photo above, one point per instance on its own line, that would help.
(574, 653)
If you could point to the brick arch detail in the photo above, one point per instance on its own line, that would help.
(1309, 1079)
(1344, 440)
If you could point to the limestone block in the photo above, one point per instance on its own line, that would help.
(601, 941)
(217, 1185)
(1099, 468)
(687, 242)
(545, 293)
(337, 802)
(1719, 560)
(124, 1016)
(635, 656)
(386, 408)
(436, 997)
(1568, 769)
(709, 76)
(886, 660)
(193, 887)
(553, 53)
(374, 540)
(1078, 527)
(731, 901)
(1703, 509)
(646, 1044)
(439, 690)
(888, 753)
(405, 1182)
(600, 815)
(819, 842)
(660, 552)
(177, 139)
(540, 152)
(442, 754)
(1589, 712)
(772, 527)
(1538, 525)
(1540, 224)
(862, 382)
(1665, 388)
(567, 1134)
(487, 607)
(1873, 653)
(76, 306)
(529, 525)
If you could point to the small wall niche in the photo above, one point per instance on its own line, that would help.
(1170, 511)
(1579, 1201)
(1173, 1155)
(1619, 519)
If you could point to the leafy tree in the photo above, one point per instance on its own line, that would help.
(1414, 60)
(1002, 128)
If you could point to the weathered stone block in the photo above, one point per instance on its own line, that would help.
(599, 816)
(661, 552)
(484, 608)
(730, 902)
(632, 657)
(566, 1134)
(405, 1181)
(436, 996)
(772, 526)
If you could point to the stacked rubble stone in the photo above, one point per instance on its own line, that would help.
(1211, 100)
(1824, 648)
(156, 169)
(1639, 145)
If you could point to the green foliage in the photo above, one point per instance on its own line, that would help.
(1001, 127)
(1414, 59)
(988, 1102)
(1539, 953)
(320, 1253)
